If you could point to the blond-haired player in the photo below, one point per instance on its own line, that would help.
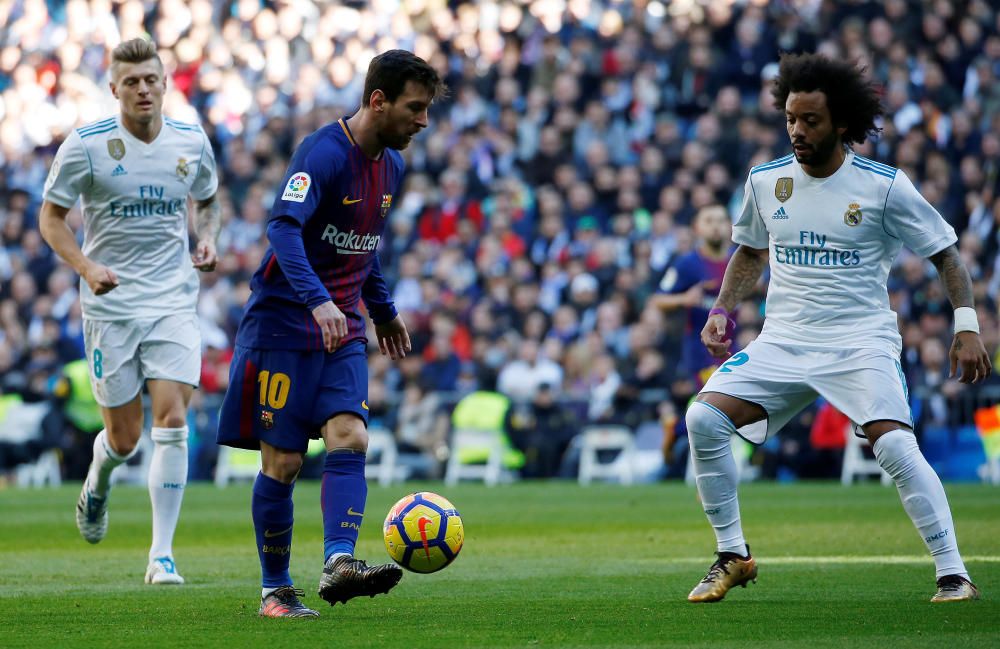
(133, 174)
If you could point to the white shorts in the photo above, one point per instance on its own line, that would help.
(864, 384)
(124, 353)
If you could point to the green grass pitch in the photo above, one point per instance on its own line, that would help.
(544, 565)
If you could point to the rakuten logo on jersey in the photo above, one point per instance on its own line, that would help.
(350, 243)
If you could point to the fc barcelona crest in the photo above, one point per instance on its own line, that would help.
(267, 419)
(116, 149)
(182, 168)
(386, 204)
(852, 216)
(783, 189)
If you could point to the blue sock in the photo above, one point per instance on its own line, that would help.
(272, 521)
(343, 500)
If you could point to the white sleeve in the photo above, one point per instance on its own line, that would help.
(749, 229)
(911, 219)
(207, 181)
(70, 173)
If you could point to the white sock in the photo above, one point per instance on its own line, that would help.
(710, 433)
(264, 592)
(923, 498)
(167, 477)
(104, 462)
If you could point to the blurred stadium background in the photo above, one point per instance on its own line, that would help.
(542, 207)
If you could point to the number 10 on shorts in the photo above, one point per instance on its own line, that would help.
(274, 389)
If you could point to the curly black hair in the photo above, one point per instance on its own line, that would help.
(854, 101)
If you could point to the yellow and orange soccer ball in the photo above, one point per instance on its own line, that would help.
(423, 532)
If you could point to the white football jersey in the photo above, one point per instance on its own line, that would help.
(135, 214)
(832, 242)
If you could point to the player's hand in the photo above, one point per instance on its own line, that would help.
(714, 337)
(332, 322)
(205, 256)
(100, 278)
(969, 354)
(393, 338)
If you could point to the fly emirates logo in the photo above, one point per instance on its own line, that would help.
(350, 243)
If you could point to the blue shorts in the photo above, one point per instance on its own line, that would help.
(283, 397)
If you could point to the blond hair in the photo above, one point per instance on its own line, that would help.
(135, 50)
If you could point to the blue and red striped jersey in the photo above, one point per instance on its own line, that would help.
(324, 230)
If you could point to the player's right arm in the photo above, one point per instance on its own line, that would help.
(312, 167)
(742, 273)
(59, 236)
(69, 177)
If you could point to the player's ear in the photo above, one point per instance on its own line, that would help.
(377, 101)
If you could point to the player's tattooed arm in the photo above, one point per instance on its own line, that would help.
(208, 218)
(954, 276)
(742, 273)
(967, 353)
(207, 223)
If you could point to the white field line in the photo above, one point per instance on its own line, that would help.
(870, 560)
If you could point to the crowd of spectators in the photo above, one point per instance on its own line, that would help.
(551, 191)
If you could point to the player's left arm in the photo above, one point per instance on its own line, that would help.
(207, 223)
(390, 330)
(967, 349)
(207, 211)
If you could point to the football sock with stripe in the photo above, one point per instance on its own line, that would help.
(343, 497)
(272, 510)
(710, 433)
(168, 471)
(923, 498)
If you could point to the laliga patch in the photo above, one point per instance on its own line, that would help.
(297, 188)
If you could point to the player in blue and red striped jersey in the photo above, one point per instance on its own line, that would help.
(693, 282)
(300, 368)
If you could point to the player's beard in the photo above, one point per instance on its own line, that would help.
(821, 151)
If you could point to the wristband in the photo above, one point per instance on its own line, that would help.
(730, 323)
(966, 319)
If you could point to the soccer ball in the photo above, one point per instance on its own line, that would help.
(423, 532)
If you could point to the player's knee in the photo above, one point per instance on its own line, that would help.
(283, 467)
(171, 418)
(894, 451)
(123, 437)
(707, 426)
(345, 431)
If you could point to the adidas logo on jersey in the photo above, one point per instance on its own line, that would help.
(780, 214)
(119, 171)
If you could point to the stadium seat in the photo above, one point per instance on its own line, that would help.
(236, 464)
(466, 442)
(990, 471)
(22, 422)
(382, 460)
(45, 470)
(855, 462)
(596, 440)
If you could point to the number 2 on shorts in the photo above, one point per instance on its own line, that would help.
(738, 359)
(274, 389)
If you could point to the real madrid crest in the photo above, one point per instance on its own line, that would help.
(386, 204)
(852, 216)
(182, 168)
(783, 189)
(116, 148)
